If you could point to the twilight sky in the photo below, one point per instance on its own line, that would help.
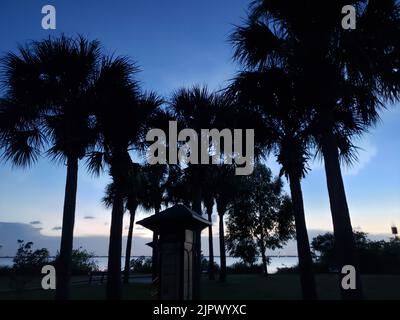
(176, 43)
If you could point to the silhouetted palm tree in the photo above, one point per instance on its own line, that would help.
(133, 197)
(271, 94)
(47, 85)
(155, 178)
(208, 200)
(193, 108)
(121, 112)
(226, 185)
(355, 70)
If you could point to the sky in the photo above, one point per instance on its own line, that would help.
(175, 43)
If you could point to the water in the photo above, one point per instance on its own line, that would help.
(276, 262)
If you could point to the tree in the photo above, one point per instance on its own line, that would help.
(260, 218)
(193, 108)
(82, 262)
(121, 111)
(208, 200)
(226, 186)
(47, 91)
(29, 261)
(270, 96)
(354, 70)
(156, 178)
(133, 195)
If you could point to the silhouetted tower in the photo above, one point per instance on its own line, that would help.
(177, 254)
(395, 232)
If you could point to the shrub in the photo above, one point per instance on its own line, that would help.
(242, 268)
(81, 262)
(141, 265)
(27, 261)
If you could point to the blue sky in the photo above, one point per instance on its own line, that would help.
(177, 43)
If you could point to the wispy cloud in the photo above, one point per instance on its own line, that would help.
(366, 153)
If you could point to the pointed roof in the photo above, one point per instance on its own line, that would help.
(176, 217)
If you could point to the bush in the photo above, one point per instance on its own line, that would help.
(205, 263)
(82, 262)
(141, 265)
(27, 261)
(243, 268)
(5, 270)
(375, 257)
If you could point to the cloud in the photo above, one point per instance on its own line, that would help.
(89, 218)
(366, 153)
(57, 228)
(35, 223)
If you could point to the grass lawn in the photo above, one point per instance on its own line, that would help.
(239, 287)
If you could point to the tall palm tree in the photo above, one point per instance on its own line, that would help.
(193, 108)
(121, 111)
(356, 70)
(133, 197)
(156, 177)
(208, 200)
(48, 84)
(226, 185)
(270, 94)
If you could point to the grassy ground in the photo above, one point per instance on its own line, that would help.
(240, 287)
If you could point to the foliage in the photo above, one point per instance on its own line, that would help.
(205, 265)
(29, 261)
(244, 268)
(141, 265)
(374, 256)
(261, 217)
(81, 262)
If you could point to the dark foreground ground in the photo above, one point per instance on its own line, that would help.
(241, 287)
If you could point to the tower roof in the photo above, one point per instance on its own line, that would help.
(176, 217)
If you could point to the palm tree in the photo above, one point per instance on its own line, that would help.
(133, 196)
(47, 85)
(226, 185)
(121, 112)
(193, 108)
(156, 177)
(208, 200)
(336, 68)
(269, 93)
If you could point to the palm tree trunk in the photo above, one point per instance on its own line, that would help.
(343, 231)
(222, 275)
(115, 248)
(64, 261)
(196, 206)
(307, 278)
(211, 275)
(129, 246)
(155, 252)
